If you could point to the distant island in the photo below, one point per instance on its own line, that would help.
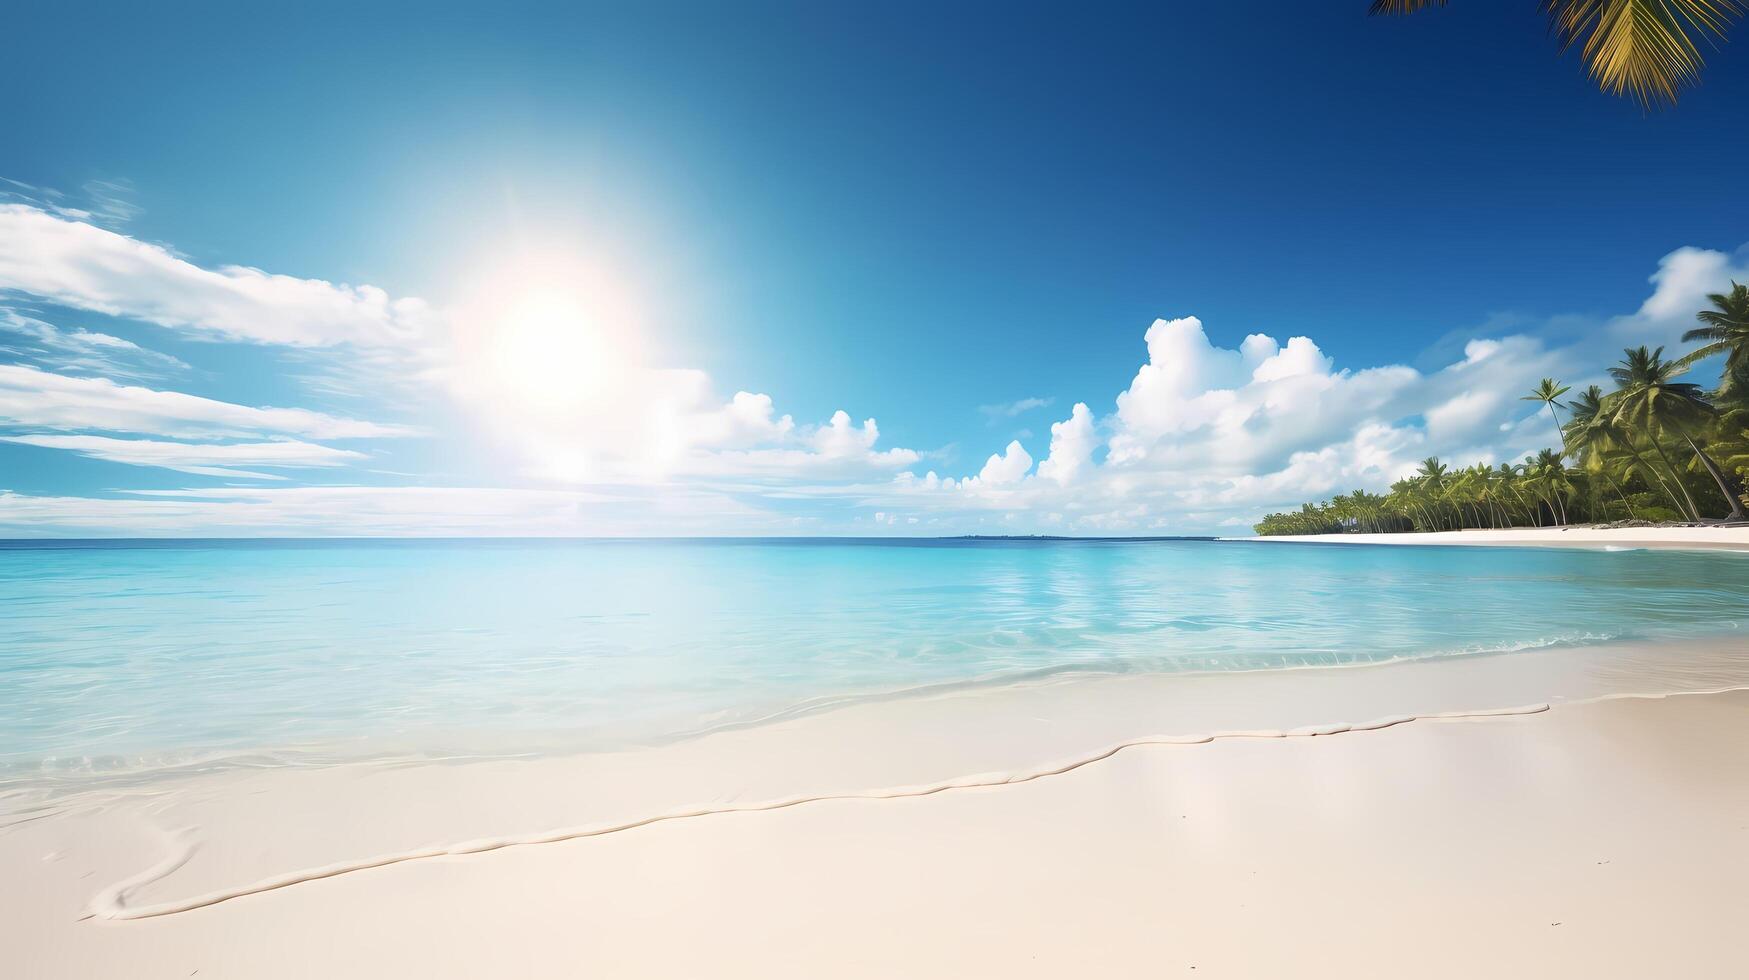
(1071, 537)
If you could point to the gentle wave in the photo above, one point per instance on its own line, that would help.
(51, 777)
(118, 663)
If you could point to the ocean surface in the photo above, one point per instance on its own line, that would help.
(121, 657)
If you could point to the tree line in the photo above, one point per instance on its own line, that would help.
(1654, 448)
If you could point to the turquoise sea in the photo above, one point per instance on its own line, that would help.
(134, 655)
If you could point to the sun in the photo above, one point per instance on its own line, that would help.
(550, 361)
(546, 341)
(549, 349)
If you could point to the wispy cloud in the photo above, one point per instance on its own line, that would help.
(35, 399)
(204, 459)
(77, 264)
(111, 200)
(1008, 410)
(79, 350)
(390, 511)
(104, 201)
(632, 422)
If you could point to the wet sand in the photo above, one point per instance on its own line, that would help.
(1343, 822)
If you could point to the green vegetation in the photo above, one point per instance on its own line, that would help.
(1642, 49)
(1654, 449)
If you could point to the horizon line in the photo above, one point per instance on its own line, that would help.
(293, 539)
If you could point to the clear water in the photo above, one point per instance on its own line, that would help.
(121, 656)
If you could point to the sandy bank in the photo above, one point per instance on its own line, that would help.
(1436, 846)
(1674, 538)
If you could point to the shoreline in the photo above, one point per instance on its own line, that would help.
(170, 848)
(1546, 817)
(56, 788)
(1594, 538)
(521, 747)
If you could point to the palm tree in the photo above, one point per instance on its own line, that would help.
(1639, 48)
(1590, 434)
(1652, 400)
(1731, 399)
(1545, 476)
(1726, 332)
(1546, 391)
(1410, 502)
(1508, 477)
(1554, 470)
(1432, 478)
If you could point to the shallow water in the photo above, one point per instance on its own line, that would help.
(125, 656)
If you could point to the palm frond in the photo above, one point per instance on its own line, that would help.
(1699, 354)
(1402, 6)
(1643, 49)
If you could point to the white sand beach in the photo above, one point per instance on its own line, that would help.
(1557, 813)
(1673, 538)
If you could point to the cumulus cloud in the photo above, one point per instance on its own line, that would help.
(1195, 405)
(840, 438)
(1206, 437)
(1680, 287)
(654, 425)
(77, 264)
(204, 459)
(1683, 279)
(35, 399)
(747, 419)
(838, 449)
(1005, 468)
(1072, 445)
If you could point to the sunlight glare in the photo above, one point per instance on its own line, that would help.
(548, 350)
(547, 341)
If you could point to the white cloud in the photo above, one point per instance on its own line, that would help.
(1194, 405)
(747, 420)
(596, 413)
(840, 439)
(382, 511)
(1003, 469)
(1680, 287)
(77, 264)
(1299, 357)
(205, 459)
(34, 399)
(111, 201)
(657, 425)
(82, 351)
(42, 198)
(1072, 445)
(1184, 385)
(838, 449)
(1683, 279)
(1205, 436)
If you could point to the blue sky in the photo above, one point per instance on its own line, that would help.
(907, 213)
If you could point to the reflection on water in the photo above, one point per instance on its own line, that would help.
(119, 657)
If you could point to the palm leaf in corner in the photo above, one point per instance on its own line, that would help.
(1402, 6)
(1639, 49)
